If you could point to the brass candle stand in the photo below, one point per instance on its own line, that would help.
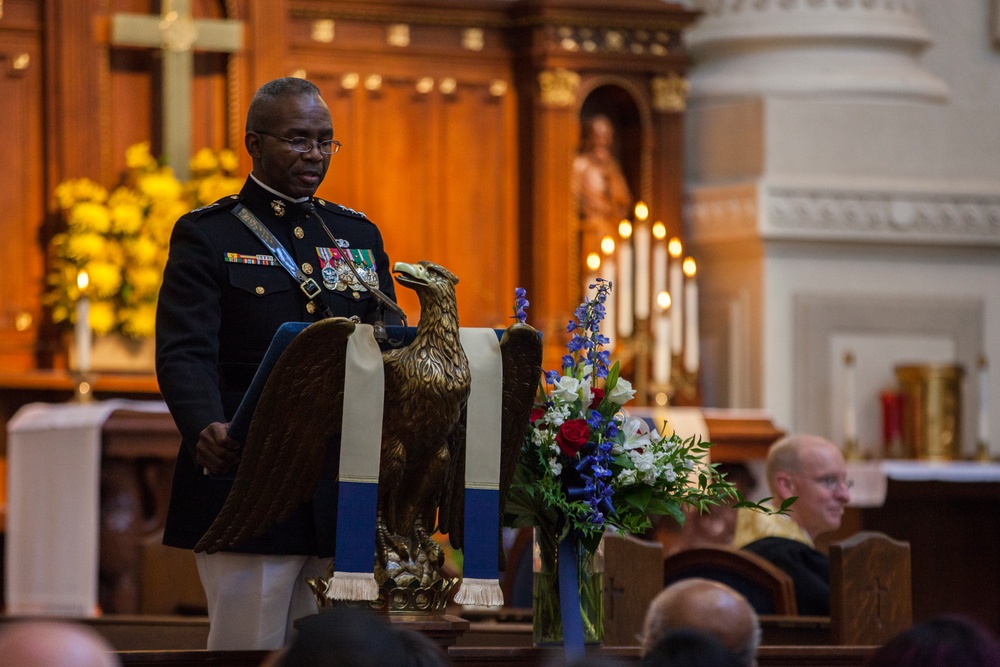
(83, 387)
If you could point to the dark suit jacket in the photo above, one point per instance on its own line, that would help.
(216, 315)
(809, 569)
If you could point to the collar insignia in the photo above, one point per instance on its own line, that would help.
(278, 207)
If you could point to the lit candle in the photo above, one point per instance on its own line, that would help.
(676, 282)
(984, 408)
(82, 332)
(661, 340)
(624, 284)
(690, 317)
(593, 264)
(608, 272)
(641, 241)
(850, 419)
(659, 261)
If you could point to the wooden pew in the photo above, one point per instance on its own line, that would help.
(870, 589)
(763, 584)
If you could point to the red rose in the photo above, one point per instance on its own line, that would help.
(572, 435)
(536, 414)
(598, 397)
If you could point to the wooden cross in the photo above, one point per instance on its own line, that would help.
(614, 592)
(177, 34)
(878, 589)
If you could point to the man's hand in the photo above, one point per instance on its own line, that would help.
(216, 451)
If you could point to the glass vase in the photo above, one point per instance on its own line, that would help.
(547, 612)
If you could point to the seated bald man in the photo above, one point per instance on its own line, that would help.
(813, 470)
(708, 606)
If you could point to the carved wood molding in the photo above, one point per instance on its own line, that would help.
(486, 14)
(669, 92)
(558, 87)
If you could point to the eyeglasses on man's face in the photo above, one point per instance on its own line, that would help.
(304, 145)
(833, 482)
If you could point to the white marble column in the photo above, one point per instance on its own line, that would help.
(861, 47)
(843, 193)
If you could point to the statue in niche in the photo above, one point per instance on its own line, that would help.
(599, 188)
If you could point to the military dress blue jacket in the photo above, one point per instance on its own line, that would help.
(223, 297)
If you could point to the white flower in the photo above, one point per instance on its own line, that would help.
(643, 462)
(622, 393)
(627, 477)
(636, 433)
(669, 475)
(555, 466)
(568, 388)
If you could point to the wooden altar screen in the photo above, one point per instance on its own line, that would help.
(460, 119)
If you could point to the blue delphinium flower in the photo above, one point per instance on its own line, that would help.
(587, 337)
(520, 305)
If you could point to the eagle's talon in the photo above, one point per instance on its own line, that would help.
(433, 551)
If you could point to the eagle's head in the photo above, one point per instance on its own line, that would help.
(424, 276)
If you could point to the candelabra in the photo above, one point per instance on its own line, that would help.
(652, 312)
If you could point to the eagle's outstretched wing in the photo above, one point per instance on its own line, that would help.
(521, 348)
(521, 353)
(300, 410)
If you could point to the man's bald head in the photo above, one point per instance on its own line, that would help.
(708, 606)
(812, 469)
(54, 644)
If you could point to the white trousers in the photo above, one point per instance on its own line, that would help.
(253, 600)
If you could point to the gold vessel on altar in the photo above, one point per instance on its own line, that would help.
(932, 410)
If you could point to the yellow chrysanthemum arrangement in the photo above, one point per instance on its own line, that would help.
(120, 239)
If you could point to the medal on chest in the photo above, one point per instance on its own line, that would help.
(337, 275)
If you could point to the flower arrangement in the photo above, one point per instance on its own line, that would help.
(586, 464)
(120, 239)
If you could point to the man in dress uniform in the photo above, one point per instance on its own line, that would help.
(237, 270)
(813, 470)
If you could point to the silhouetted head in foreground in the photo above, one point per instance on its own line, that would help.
(689, 648)
(54, 644)
(946, 641)
(706, 606)
(347, 637)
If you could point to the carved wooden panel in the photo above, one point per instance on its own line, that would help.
(429, 131)
(22, 200)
